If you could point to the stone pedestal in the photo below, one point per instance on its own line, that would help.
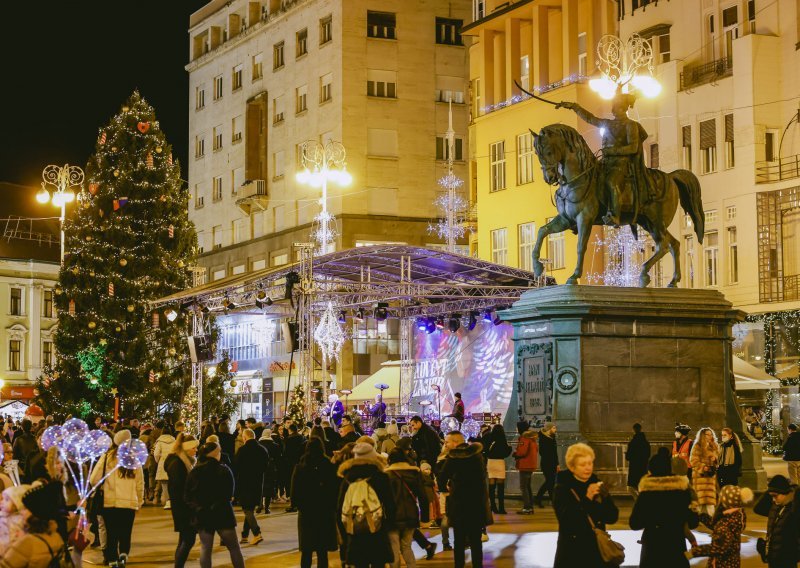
(598, 359)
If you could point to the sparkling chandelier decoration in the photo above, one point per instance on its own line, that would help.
(625, 66)
(624, 257)
(328, 334)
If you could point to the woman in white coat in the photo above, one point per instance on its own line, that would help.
(161, 449)
(123, 494)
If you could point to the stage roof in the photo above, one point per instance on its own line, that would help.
(412, 280)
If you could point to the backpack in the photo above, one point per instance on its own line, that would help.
(61, 559)
(362, 512)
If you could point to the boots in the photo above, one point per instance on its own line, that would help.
(492, 493)
(501, 498)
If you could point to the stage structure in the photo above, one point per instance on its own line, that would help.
(408, 283)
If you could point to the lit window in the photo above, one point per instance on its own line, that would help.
(555, 250)
(277, 55)
(711, 217)
(236, 129)
(497, 157)
(257, 67)
(582, 57)
(525, 72)
(733, 256)
(277, 109)
(710, 257)
(527, 238)
(525, 156)
(500, 246)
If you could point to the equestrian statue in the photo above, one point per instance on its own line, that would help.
(616, 190)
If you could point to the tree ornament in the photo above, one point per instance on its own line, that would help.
(125, 108)
(113, 148)
(75, 270)
(88, 238)
(118, 329)
(103, 342)
(71, 309)
(123, 262)
(116, 173)
(159, 149)
(91, 325)
(169, 159)
(120, 203)
(110, 288)
(163, 198)
(58, 290)
(91, 273)
(143, 127)
(101, 213)
(156, 320)
(172, 351)
(131, 307)
(152, 376)
(93, 187)
(86, 205)
(233, 384)
(102, 138)
(149, 160)
(171, 231)
(180, 263)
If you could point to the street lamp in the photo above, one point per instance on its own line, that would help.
(621, 65)
(323, 163)
(62, 178)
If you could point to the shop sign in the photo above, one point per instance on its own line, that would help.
(16, 393)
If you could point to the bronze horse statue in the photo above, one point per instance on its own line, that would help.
(582, 198)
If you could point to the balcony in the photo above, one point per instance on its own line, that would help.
(253, 196)
(706, 73)
(779, 170)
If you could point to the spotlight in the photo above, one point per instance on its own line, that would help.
(454, 323)
(360, 314)
(188, 306)
(487, 314)
(430, 325)
(422, 324)
(205, 309)
(229, 305)
(381, 312)
(171, 314)
(261, 295)
(440, 322)
(473, 320)
(342, 317)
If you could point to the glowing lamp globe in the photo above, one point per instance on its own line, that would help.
(43, 196)
(604, 87)
(648, 86)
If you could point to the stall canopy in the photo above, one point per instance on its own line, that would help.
(749, 377)
(388, 374)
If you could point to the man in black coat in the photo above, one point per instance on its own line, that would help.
(334, 439)
(251, 462)
(209, 492)
(347, 431)
(294, 446)
(637, 454)
(255, 426)
(791, 454)
(274, 454)
(425, 441)
(25, 445)
(780, 504)
(548, 461)
(178, 466)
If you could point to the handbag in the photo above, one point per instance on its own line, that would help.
(612, 552)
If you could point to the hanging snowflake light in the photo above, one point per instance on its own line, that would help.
(624, 257)
(328, 334)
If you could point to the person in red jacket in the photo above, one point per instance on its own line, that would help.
(527, 455)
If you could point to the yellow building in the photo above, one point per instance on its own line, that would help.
(546, 46)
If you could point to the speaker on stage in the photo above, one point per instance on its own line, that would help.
(200, 348)
(291, 335)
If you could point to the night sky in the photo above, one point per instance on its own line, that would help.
(68, 66)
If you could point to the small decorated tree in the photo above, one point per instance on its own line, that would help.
(296, 411)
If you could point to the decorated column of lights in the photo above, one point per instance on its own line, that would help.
(305, 321)
(451, 227)
(624, 256)
(330, 338)
(323, 163)
(62, 178)
(406, 337)
(625, 66)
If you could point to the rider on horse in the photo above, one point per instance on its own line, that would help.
(622, 166)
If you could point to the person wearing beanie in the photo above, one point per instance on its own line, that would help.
(727, 527)
(662, 512)
(12, 516)
(366, 548)
(384, 441)
(33, 548)
(161, 450)
(411, 502)
(178, 465)
(123, 495)
(782, 510)
(682, 446)
(548, 461)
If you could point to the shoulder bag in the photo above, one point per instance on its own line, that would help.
(612, 552)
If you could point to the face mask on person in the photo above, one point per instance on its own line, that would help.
(678, 435)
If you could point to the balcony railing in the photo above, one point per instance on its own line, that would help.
(706, 73)
(785, 168)
(252, 196)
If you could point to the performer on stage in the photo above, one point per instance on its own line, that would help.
(335, 409)
(377, 411)
(458, 408)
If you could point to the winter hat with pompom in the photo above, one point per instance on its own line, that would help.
(734, 497)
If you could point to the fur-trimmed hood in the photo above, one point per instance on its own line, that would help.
(402, 466)
(465, 451)
(529, 434)
(664, 483)
(376, 461)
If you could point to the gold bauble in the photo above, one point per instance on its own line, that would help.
(233, 383)
(163, 198)
(172, 351)
(88, 238)
(180, 264)
(58, 291)
(123, 262)
(92, 325)
(116, 173)
(113, 148)
(131, 307)
(159, 149)
(91, 273)
(126, 108)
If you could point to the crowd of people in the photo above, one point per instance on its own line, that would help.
(371, 496)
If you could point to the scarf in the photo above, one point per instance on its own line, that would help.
(728, 453)
(187, 461)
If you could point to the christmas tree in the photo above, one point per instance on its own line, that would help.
(217, 400)
(128, 242)
(296, 411)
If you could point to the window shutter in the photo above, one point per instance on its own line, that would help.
(708, 134)
(687, 136)
(728, 128)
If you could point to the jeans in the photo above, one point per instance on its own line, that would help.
(186, 540)
(400, 540)
(525, 486)
(460, 536)
(445, 527)
(119, 527)
(794, 472)
(250, 523)
(228, 538)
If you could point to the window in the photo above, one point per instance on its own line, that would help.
(301, 99)
(730, 28)
(449, 89)
(217, 141)
(277, 109)
(710, 217)
(277, 55)
(216, 234)
(497, 157)
(687, 222)
(476, 97)
(555, 250)
(443, 151)
(325, 88)
(730, 160)
(216, 194)
(582, 57)
(237, 179)
(524, 158)
(217, 87)
(47, 353)
(381, 83)
(257, 67)
(198, 199)
(733, 256)
(236, 78)
(686, 134)
(325, 30)
(448, 32)
(525, 72)
(47, 303)
(710, 257)
(664, 47)
(16, 302)
(708, 146)
(15, 355)
(769, 146)
(751, 15)
(301, 42)
(278, 164)
(381, 25)
(382, 143)
(199, 146)
(279, 259)
(500, 246)
(688, 248)
(654, 157)
(730, 212)
(236, 129)
(199, 98)
(527, 238)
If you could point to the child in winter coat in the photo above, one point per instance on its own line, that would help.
(727, 525)
(429, 484)
(12, 516)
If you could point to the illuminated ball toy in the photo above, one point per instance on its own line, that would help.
(51, 437)
(449, 424)
(132, 454)
(471, 428)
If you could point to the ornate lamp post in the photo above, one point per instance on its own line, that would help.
(621, 65)
(62, 178)
(323, 163)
